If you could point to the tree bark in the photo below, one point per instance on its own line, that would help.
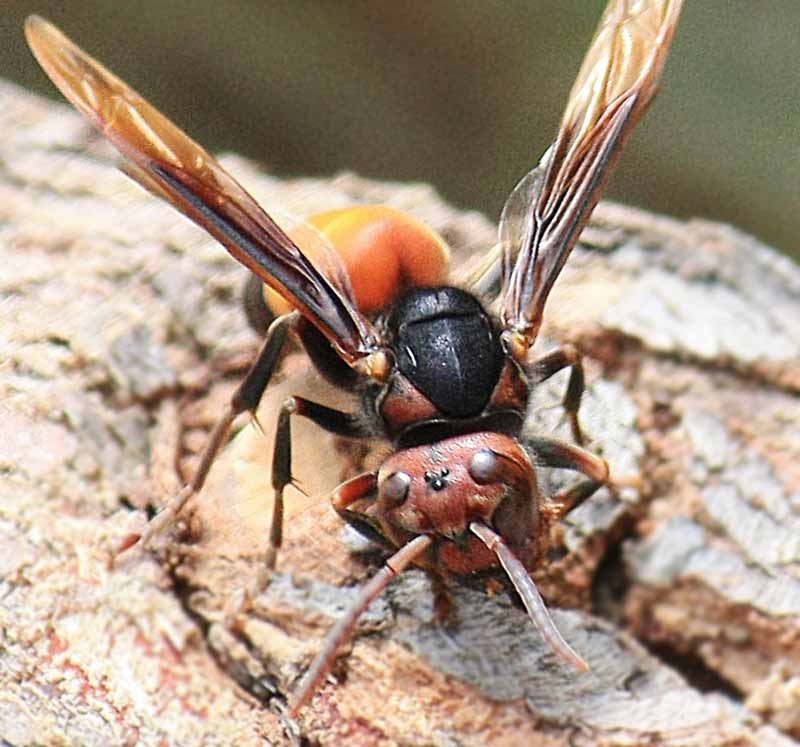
(121, 337)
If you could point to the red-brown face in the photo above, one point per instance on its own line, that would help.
(438, 489)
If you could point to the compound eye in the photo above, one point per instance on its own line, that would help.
(394, 489)
(484, 466)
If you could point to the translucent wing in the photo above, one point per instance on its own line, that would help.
(171, 165)
(545, 213)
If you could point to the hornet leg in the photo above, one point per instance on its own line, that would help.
(333, 421)
(551, 452)
(244, 399)
(555, 361)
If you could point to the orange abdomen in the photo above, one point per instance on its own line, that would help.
(384, 251)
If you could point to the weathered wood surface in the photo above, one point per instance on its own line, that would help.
(120, 334)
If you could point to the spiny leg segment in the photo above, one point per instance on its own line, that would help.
(245, 399)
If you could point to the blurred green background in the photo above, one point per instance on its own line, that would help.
(464, 94)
